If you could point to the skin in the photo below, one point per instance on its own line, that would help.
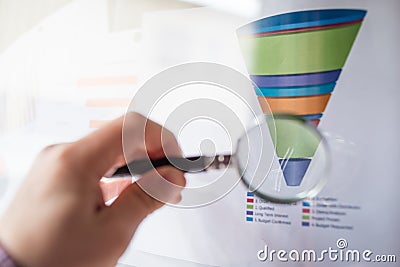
(58, 216)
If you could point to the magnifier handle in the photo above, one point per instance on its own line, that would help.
(190, 164)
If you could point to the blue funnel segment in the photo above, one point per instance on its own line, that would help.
(302, 19)
(294, 170)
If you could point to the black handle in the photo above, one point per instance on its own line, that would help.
(190, 164)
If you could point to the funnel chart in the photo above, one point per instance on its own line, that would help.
(295, 60)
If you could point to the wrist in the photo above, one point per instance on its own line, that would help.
(5, 258)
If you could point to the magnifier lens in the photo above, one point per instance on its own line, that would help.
(284, 159)
(255, 154)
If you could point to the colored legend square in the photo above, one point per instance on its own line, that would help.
(250, 200)
(305, 223)
(249, 206)
(306, 204)
(306, 217)
(306, 210)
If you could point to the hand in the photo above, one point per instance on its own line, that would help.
(58, 216)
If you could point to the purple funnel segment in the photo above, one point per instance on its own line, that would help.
(314, 78)
(294, 170)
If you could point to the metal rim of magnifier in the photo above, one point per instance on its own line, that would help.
(325, 173)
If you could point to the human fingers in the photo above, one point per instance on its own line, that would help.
(135, 202)
(111, 188)
(149, 139)
(99, 151)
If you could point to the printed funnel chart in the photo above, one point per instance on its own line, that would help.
(295, 59)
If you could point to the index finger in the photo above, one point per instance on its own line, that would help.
(99, 151)
(151, 140)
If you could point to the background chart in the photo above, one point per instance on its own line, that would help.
(69, 66)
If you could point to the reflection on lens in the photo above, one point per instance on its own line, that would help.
(255, 154)
(299, 168)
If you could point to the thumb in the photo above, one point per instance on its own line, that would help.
(152, 191)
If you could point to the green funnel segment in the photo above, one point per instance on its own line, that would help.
(292, 137)
(295, 53)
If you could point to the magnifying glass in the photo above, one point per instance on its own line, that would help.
(281, 158)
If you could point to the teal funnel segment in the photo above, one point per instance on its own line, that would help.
(312, 116)
(294, 170)
(321, 89)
